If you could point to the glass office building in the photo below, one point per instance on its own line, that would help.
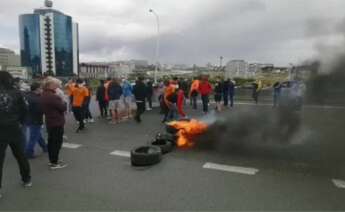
(30, 50)
(49, 42)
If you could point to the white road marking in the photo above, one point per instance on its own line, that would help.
(339, 183)
(71, 146)
(121, 153)
(236, 169)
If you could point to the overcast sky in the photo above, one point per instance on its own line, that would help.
(193, 31)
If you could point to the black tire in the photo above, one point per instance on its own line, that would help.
(166, 137)
(171, 129)
(166, 146)
(146, 156)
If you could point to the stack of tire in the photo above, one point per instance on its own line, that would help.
(152, 154)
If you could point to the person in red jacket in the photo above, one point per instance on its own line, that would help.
(205, 89)
(180, 103)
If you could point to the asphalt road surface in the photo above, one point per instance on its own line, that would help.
(304, 176)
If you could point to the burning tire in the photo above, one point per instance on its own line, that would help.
(146, 156)
(165, 145)
(167, 137)
(171, 129)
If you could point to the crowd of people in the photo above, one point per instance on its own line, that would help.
(48, 102)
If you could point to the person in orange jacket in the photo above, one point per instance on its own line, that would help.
(194, 92)
(205, 89)
(79, 96)
(180, 102)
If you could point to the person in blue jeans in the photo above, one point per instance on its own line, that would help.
(34, 121)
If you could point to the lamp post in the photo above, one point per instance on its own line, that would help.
(157, 44)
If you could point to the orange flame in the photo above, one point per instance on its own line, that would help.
(187, 131)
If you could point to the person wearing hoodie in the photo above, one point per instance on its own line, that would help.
(140, 94)
(205, 89)
(13, 111)
(35, 121)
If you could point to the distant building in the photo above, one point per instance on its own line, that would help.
(102, 70)
(139, 63)
(236, 68)
(8, 58)
(49, 42)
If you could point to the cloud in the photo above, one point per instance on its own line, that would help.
(192, 31)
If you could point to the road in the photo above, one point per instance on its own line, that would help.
(293, 178)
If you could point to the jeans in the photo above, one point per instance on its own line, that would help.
(231, 95)
(35, 137)
(17, 147)
(171, 113)
(226, 99)
(103, 108)
(55, 140)
(149, 100)
(79, 116)
(87, 112)
(194, 102)
(140, 110)
(205, 101)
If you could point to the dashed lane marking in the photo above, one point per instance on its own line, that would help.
(121, 153)
(339, 183)
(235, 169)
(71, 146)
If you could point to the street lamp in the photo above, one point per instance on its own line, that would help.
(157, 44)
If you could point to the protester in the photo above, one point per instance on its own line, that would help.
(149, 87)
(140, 93)
(106, 96)
(218, 91)
(114, 93)
(79, 100)
(54, 109)
(88, 116)
(226, 86)
(127, 92)
(163, 102)
(276, 93)
(69, 88)
(180, 102)
(100, 97)
(170, 101)
(257, 86)
(205, 90)
(194, 92)
(12, 112)
(183, 84)
(232, 92)
(35, 121)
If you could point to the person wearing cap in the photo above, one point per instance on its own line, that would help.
(35, 120)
